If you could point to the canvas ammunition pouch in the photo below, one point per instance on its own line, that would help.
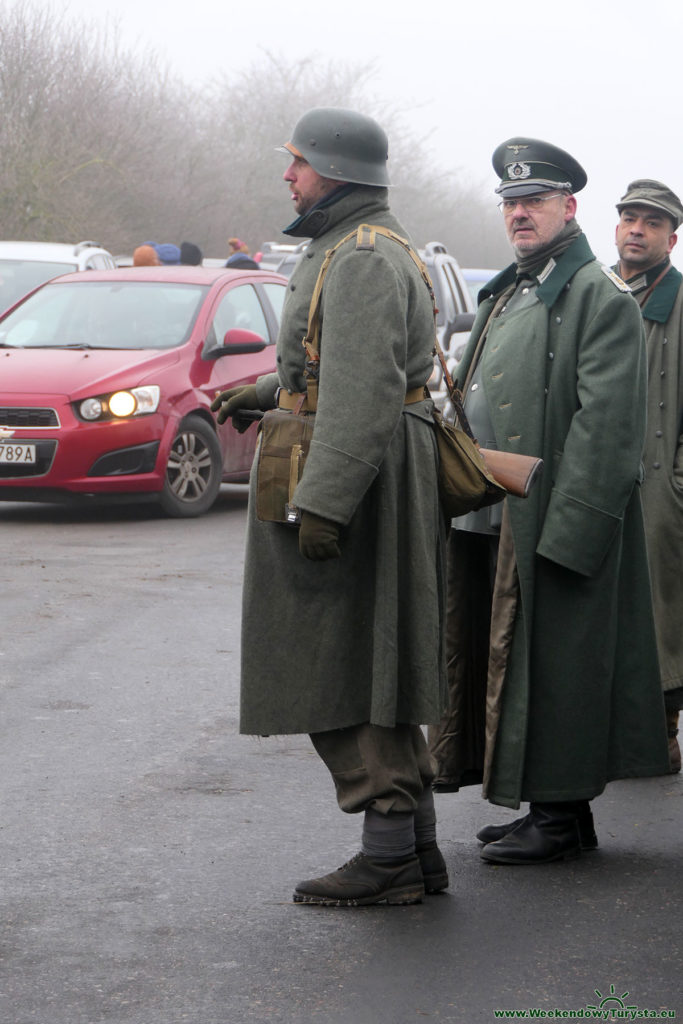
(284, 443)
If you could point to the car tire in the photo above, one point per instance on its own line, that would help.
(193, 470)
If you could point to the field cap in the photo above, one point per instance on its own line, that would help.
(648, 192)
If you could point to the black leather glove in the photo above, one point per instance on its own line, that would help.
(230, 402)
(318, 537)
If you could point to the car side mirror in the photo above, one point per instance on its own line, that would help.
(237, 342)
(461, 322)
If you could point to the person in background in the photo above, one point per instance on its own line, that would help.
(553, 673)
(190, 254)
(169, 254)
(145, 256)
(649, 216)
(239, 258)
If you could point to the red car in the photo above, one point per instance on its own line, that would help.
(107, 378)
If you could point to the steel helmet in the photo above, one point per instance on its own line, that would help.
(342, 144)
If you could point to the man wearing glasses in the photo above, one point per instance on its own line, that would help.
(553, 673)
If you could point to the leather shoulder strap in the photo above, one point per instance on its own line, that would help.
(365, 240)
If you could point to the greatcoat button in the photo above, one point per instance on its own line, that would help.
(658, 433)
(551, 355)
(656, 465)
(558, 319)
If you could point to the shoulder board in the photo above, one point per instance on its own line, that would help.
(615, 279)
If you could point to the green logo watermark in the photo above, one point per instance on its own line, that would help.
(611, 1007)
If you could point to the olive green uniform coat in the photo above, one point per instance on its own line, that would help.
(573, 697)
(663, 460)
(357, 639)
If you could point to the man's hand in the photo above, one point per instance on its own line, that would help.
(318, 537)
(229, 402)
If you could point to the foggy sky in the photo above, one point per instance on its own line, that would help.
(591, 78)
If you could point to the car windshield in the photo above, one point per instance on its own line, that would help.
(18, 277)
(105, 314)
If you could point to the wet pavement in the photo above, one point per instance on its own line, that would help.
(149, 852)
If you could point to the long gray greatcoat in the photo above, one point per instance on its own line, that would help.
(573, 696)
(357, 639)
(663, 459)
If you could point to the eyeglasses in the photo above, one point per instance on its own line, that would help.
(529, 203)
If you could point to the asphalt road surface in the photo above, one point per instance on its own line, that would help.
(149, 852)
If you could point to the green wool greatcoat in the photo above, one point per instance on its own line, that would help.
(573, 696)
(357, 639)
(663, 460)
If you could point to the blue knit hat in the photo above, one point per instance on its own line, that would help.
(168, 253)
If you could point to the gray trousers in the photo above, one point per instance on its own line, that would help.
(386, 769)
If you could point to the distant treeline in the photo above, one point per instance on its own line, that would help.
(103, 144)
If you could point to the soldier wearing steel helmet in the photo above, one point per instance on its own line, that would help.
(342, 619)
(553, 675)
(650, 213)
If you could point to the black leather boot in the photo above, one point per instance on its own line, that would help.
(549, 832)
(674, 749)
(584, 817)
(433, 866)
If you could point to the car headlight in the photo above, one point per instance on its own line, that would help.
(120, 404)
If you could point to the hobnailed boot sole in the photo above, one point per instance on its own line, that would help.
(364, 881)
(395, 897)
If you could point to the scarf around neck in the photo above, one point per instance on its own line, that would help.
(536, 260)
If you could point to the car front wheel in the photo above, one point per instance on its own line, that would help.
(193, 470)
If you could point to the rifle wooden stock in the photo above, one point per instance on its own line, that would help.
(516, 473)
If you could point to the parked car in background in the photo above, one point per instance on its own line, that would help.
(452, 295)
(282, 257)
(107, 379)
(476, 278)
(455, 312)
(25, 265)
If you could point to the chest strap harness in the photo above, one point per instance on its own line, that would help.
(307, 401)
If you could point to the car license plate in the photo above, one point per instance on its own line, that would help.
(18, 453)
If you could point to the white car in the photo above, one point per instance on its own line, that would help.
(476, 278)
(455, 313)
(25, 265)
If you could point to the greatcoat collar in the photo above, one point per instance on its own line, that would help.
(576, 256)
(349, 199)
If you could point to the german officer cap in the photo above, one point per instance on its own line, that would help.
(647, 192)
(526, 166)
